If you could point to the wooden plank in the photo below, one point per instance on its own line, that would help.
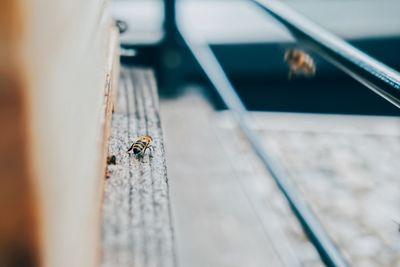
(137, 228)
(110, 94)
(57, 70)
(19, 245)
(67, 55)
(19, 226)
(228, 212)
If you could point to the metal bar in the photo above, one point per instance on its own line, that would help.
(312, 227)
(378, 77)
(169, 20)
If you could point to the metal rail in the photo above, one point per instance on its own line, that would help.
(378, 77)
(169, 24)
(312, 227)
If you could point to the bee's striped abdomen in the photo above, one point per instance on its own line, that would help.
(140, 146)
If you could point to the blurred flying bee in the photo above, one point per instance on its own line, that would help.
(140, 146)
(300, 63)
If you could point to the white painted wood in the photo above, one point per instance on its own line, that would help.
(66, 50)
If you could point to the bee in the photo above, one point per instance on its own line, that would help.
(300, 63)
(140, 146)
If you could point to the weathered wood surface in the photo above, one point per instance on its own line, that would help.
(137, 227)
(227, 210)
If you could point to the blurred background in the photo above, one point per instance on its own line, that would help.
(250, 45)
(338, 142)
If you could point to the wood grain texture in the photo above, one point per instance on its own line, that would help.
(137, 228)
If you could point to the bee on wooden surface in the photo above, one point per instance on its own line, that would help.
(300, 63)
(140, 146)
